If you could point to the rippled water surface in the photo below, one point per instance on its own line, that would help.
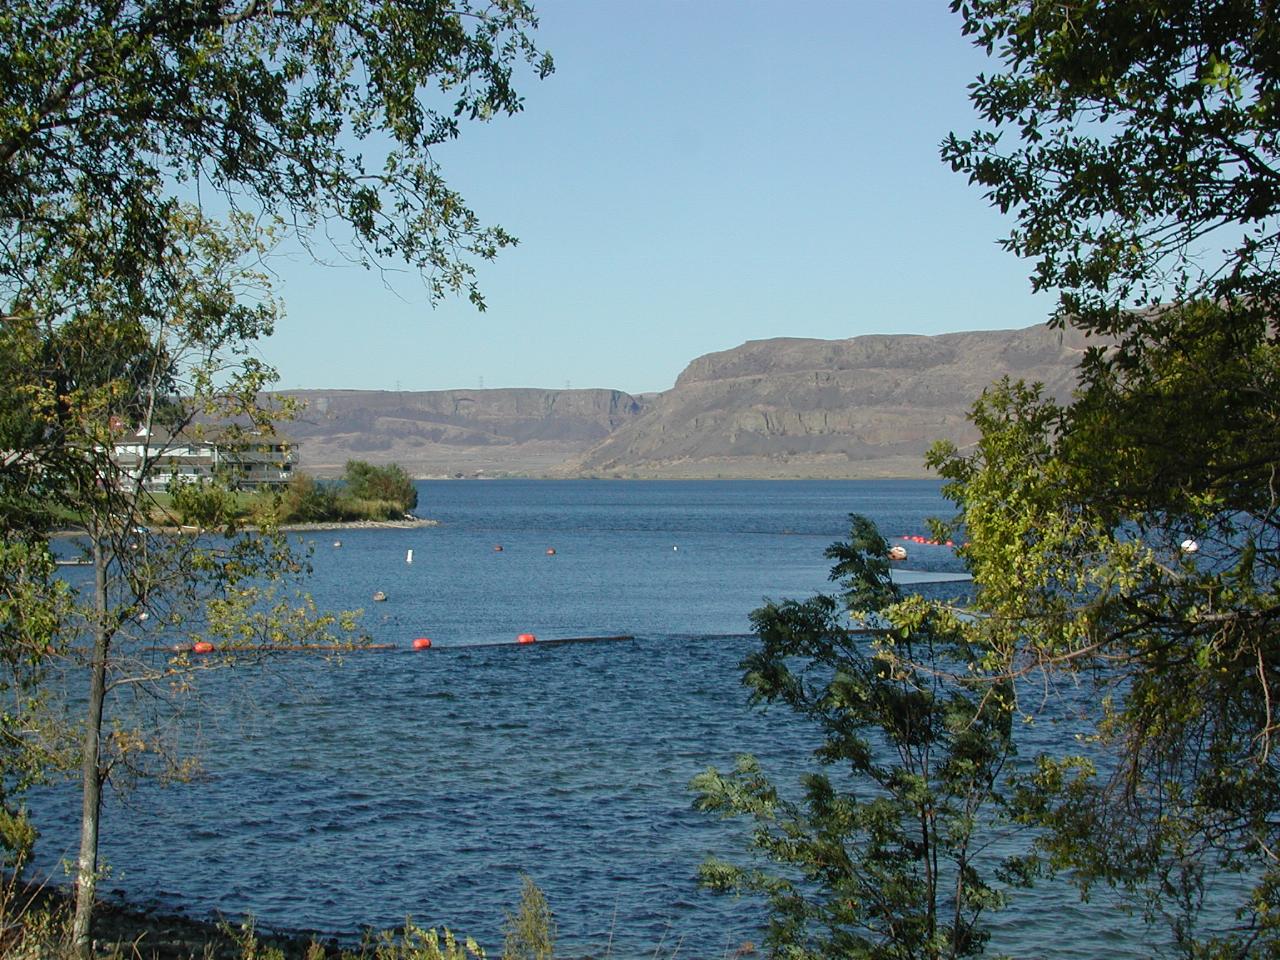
(399, 783)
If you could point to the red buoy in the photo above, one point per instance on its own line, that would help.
(422, 643)
(526, 638)
(202, 646)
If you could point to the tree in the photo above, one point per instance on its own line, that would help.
(1145, 184)
(530, 932)
(124, 303)
(150, 590)
(885, 858)
(316, 112)
(308, 500)
(1146, 136)
(32, 604)
(367, 482)
(1131, 537)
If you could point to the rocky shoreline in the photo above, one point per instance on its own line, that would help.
(120, 930)
(409, 523)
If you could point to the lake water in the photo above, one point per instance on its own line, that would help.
(425, 784)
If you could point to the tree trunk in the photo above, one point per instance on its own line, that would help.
(91, 765)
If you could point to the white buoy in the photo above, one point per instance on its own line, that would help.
(1189, 546)
(408, 557)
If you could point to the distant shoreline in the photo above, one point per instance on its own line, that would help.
(412, 524)
(361, 525)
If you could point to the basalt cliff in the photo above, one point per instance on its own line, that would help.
(864, 407)
(451, 433)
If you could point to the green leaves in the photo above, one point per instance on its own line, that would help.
(1129, 537)
(1141, 128)
(274, 107)
(862, 564)
(126, 313)
(877, 856)
(1076, 519)
(388, 483)
(33, 607)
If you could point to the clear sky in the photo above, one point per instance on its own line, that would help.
(697, 173)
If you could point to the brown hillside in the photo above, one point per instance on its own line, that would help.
(864, 407)
(451, 432)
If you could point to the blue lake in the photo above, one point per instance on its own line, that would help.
(425, 784)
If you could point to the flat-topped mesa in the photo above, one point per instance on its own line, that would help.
(786, 407)
(522, 412)
(1012, 350)
(444, 432)
(784, 355)
(792, 407)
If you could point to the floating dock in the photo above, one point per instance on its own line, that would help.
(281, 648)
(554, 642)
(926, 576)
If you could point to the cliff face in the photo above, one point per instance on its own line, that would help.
(450, 432)
(865, 407)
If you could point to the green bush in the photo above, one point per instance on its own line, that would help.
(202, 504)
(531, 930)
(308, 500)
(371, 509)
(878, 854)
(366, 482)
(415, 943)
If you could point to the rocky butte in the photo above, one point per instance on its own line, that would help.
(782, 408)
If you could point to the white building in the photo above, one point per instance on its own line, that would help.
(151, 459)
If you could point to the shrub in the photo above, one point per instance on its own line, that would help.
(415, 943)
(531, 930)
(352, 508)
(308, 500)
(201, 504)
(29, 932)
(367, 482)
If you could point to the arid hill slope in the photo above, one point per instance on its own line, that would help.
(452, 432)
(865, 407)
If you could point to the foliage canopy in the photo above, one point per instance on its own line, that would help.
(1131, 536)
(364, 481)
(881, 858)
(314, 113)
(1135, 144)
(151, 152)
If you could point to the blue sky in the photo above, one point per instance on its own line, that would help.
(697, 173)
